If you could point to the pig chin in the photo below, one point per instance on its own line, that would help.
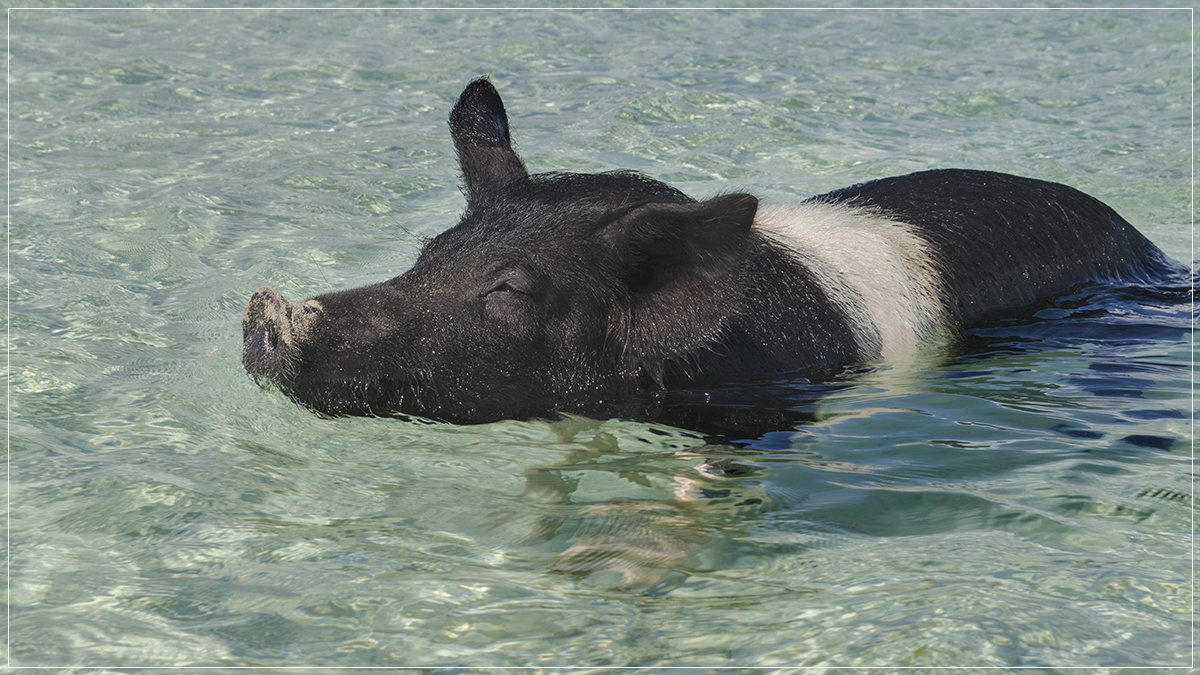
(350, 397)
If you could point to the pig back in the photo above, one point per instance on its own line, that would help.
(1002, 241)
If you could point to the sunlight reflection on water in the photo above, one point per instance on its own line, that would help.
(1025, 504)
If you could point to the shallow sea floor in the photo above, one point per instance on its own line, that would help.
(1019, 494)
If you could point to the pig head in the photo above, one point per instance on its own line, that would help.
(552, 288)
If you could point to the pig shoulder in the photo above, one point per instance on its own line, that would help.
(877, 270)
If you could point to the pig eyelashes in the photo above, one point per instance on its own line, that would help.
(509, 303)
(512, 280)
(506, 287)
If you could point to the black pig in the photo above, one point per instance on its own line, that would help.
(559, 290)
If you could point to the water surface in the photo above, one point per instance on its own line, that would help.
(1018, 494)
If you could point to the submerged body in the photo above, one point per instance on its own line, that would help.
(558, 290)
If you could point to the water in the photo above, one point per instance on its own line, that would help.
(1016, 495)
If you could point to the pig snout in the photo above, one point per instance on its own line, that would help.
(273, 330)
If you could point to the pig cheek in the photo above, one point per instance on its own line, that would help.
(577, 345)
(512, 338)
(513, 324)
(472, 349)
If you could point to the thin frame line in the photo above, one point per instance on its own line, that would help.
(8, 333)
(1193, 341)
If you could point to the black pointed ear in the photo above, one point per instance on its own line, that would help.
(479, 128)
(684, 265)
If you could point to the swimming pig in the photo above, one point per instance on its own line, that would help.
(557, 290)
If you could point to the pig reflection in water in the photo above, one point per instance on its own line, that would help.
(565, 292)
(643, 543)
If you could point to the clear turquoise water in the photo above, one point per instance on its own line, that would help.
(1027, 505)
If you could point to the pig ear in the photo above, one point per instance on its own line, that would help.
(684, 273)
(479, 128)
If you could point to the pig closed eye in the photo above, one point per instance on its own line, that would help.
(512, 281)
(513, 308)
(506, 287)
(506, 297)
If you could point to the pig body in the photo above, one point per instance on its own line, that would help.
(559, 291)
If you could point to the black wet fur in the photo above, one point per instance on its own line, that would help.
(605, 293)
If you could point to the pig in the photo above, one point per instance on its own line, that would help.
(557, 292)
